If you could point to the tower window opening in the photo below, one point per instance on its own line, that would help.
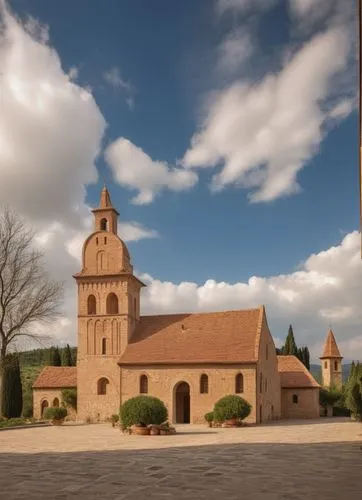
(102, 386)
(325, 364)
(295, 399)
(112, 304)
(96, 241)
(104, 225)
(336, 365)
(104, 345)
(105, 240)
(92, 304)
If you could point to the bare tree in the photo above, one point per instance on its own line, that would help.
(28, 297)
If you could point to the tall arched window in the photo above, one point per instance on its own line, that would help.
(102, 386)
(143, 384)
(295, 399)
(112, 304)
(239, 383)
(104, 225)
(336, 365)
(56, 402)
(204, 384)
(92, 304)
(104, 345)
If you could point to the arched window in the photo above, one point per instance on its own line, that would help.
(56, 402)
(336, 365)
(295, 399)
(325, 364)
(143, 384)
(204, 384)
(104, 225)
(102, 386)
(239, 383)
(112, 304)
(44, 405)
(92, 305)
(104, 345)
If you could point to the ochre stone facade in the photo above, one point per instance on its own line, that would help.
(300, 403)
(187, 360)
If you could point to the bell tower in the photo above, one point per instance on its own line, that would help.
(331, 363)
(108, 313)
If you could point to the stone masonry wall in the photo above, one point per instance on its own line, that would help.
(40, 395)
(268, 383)
(307, 406)
(163, 380)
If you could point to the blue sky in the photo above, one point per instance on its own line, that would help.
(158, 73)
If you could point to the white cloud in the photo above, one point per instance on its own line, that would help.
(134, 169)
(342, 109)
(234, 50)
(264, 133)
(50, 128)
(327, 289)
(114, 78)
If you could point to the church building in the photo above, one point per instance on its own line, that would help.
(189, 361)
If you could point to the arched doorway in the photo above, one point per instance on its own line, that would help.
(182, 403)
(44, 404)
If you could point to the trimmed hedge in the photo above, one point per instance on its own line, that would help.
(230, 407)
(55, 413)
(143, 410)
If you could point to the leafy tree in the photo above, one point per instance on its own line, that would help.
(28, 298)
(12, 401)
(67, 356)
(290, 347)
(304, 356)
(57, 360)
(353, 391)
(54, 357)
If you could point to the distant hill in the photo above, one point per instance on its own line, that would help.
(316, 371)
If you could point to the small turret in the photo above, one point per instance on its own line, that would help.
(331, 363)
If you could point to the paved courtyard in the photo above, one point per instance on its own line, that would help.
(313, 460)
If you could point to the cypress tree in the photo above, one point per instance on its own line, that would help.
(290, 347)
(67, 356)
(12, 403)
(57, 359)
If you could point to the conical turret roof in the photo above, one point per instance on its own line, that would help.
(330, 347)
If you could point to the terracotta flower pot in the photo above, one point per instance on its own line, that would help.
(232, 421)
(140, 431)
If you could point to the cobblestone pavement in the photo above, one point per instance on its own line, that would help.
(310, 460)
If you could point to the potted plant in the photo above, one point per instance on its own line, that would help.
(114, 419)
(56, 414)
(209, 417)
(231, 410)
(142, 411)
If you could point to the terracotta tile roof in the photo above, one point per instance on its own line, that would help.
(218, 337)
(294, 374)
(56, 377)
(330, 347)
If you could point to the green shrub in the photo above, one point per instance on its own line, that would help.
(230, 407)
(69, 397)
(55, 413)
(114, 419)
(209, 417)
(143, 410)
